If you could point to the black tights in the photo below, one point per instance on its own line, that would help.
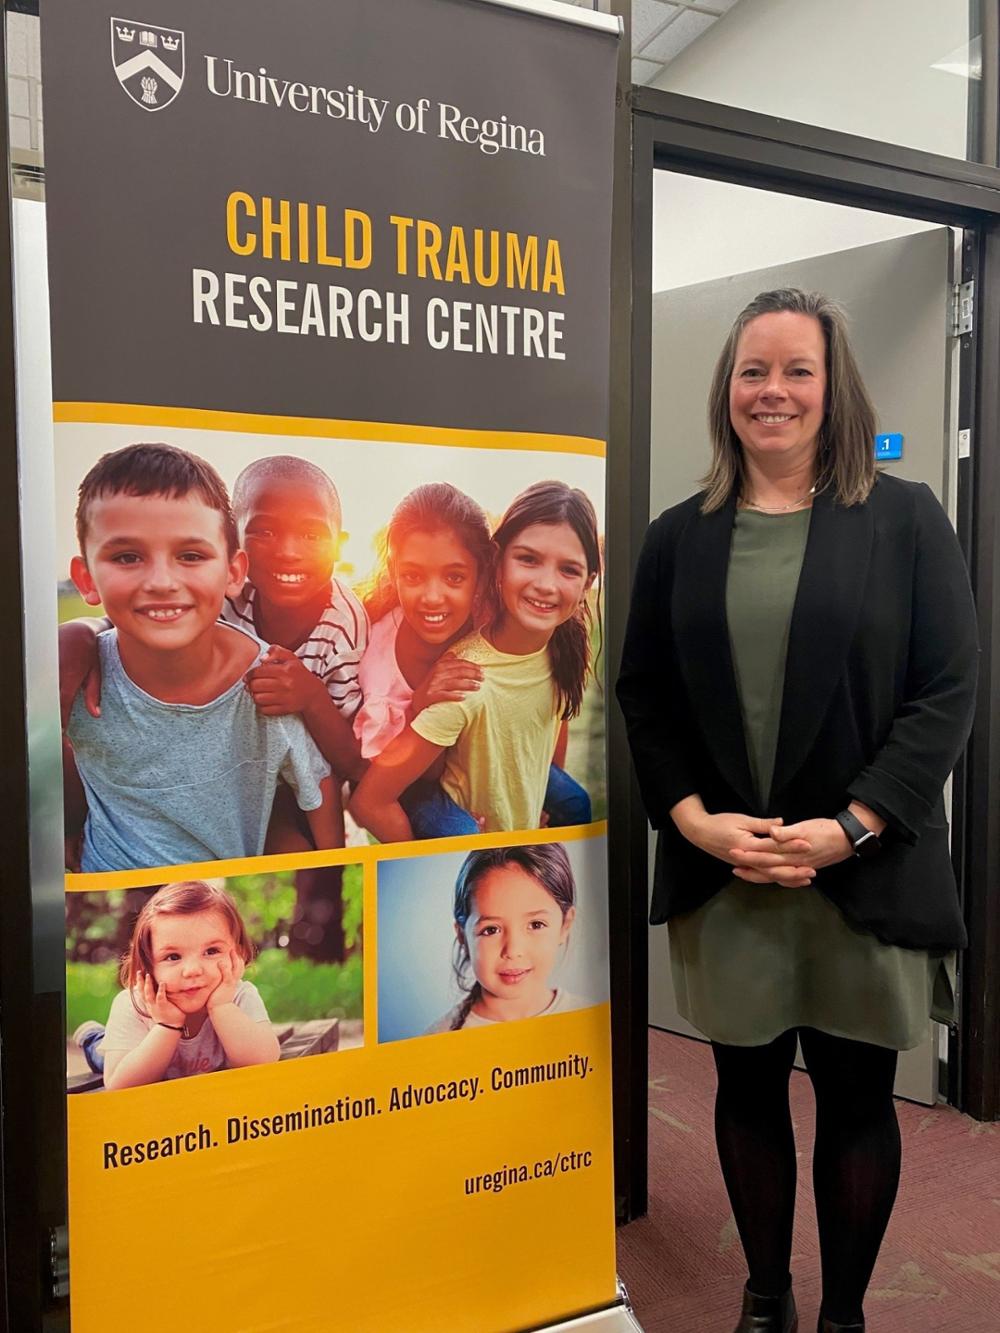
(855, 1160)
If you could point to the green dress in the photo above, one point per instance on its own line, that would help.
(756, 959)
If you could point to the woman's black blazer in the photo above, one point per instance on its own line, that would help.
(877, 704)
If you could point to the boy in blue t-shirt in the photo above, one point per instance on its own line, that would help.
(179, 766)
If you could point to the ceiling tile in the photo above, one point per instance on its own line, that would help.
(717, 6)
(648, 16)
(680, 34)
(645, 71)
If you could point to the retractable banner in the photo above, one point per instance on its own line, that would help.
(330, 304)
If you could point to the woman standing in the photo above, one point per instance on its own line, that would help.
(797, 681)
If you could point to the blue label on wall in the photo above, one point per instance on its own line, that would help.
(888, 446)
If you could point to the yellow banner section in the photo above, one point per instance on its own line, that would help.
(367, 855)
(196, 418)
(332, 1191)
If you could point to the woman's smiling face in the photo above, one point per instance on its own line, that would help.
(777, 392)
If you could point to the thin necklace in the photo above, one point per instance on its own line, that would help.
(780, 509)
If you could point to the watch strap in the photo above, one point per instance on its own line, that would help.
(864, 841)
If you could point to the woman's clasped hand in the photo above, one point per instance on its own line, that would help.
(809, 845)
(791, 856)
(759, 850)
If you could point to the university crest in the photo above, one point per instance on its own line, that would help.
(148, 61)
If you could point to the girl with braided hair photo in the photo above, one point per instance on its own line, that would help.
(472, 939)
(514, 913)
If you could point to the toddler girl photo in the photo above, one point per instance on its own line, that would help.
(184, 1007)
(200, 976)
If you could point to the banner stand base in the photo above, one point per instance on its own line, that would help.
(620, 1318)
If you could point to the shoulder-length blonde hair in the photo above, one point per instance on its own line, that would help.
(846, 460)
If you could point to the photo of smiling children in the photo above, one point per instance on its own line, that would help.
(214, 975)
(503, 934)
(441, 656)
(180, 765)
(504, 740)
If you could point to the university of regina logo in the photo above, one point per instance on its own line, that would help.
(148, 61)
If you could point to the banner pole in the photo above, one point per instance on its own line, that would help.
(565, 13)
(619, 1318)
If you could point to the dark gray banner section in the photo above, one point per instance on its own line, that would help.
(462, 120)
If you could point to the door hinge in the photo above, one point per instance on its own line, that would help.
(59, 1262)
(962, 308)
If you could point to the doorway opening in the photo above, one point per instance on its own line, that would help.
(895, 278)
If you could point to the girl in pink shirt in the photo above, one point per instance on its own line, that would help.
(437, 554)
(437, 549)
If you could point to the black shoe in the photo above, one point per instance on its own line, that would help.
(768, 1314)
(828, 1326)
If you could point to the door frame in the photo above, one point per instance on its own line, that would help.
(33, 1152)
(669, 131)
(33, 1158)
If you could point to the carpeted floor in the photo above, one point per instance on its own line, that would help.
(939, 1269)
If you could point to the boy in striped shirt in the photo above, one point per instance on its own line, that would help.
(288, 514)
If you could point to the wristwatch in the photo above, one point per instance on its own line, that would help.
(862, 839)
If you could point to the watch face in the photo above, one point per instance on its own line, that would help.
(868, 845)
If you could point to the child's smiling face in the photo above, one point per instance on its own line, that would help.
(159, 565)
(436, 580)
(513, 937)
(543, 578)
(290, 535)
(185, 951)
